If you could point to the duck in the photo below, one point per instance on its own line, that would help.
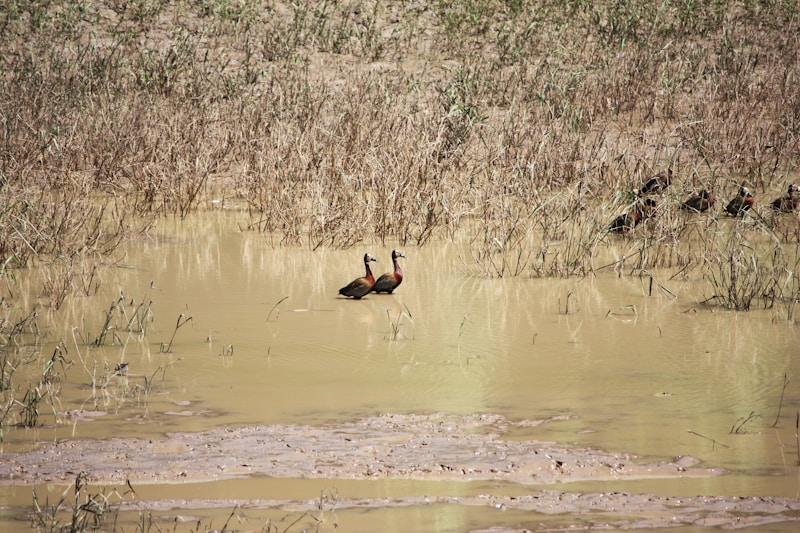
(624, 222)
(699, 202)
(742, 203)
(788, 203)
(360, 286)
(629, 219)
(391, 280)
(658, 183)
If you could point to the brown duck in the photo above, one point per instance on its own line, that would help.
(788, 203)
(360, 286)
(699, 202)
(741, 204)
(629, 219)
(658, 183)
(391, 280)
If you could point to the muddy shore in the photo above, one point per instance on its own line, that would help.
(420, 447)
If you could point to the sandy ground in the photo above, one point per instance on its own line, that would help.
(435, 447)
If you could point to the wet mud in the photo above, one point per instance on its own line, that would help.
(419, 447)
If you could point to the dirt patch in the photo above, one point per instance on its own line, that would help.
(425, 447)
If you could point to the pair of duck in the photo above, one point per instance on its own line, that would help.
(697, 203)
(645, 206)
(386, 283)
(785, 204)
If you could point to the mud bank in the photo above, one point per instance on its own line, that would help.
(437, 447)
(598, 510)
(424, 447)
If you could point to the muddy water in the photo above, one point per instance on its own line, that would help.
(271, 342)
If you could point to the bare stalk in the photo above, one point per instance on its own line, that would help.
(182, 319)
(780, 402)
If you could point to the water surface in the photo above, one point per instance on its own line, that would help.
(271, 342)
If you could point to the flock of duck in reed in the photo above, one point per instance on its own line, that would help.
(644, 207)
(645, 204)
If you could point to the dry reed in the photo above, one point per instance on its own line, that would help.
(524, 124)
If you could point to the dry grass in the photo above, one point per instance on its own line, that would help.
(525, 125)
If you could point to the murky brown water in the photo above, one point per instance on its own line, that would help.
(660, 383)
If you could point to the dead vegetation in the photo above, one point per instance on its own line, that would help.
(522, 125)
